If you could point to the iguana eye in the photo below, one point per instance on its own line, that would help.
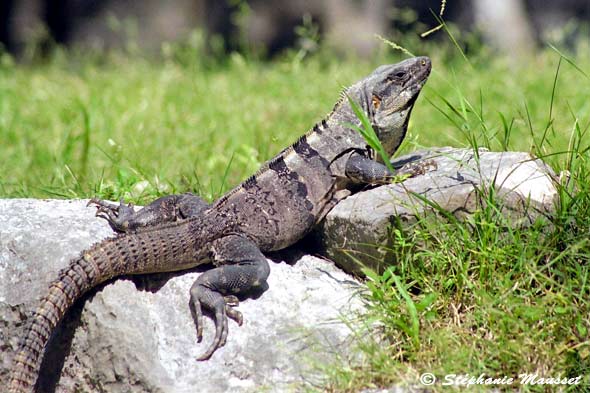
(376, 102)
(396, 77)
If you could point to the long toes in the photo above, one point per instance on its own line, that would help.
(103, 215)
(125, 207)
(99, 203)
(231, 300)
(96, 202)
(234, 314)
(105, 210)
(220, 335)
(431, 165)
(197, 313)
(223, 338)
(207, 354)
(107, 214)
(102, 209)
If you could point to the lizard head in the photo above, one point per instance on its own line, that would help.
(388, 95)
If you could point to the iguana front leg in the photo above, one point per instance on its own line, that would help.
(362, 169)
(243, 269)
(124, 218)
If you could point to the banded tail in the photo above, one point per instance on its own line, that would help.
(125, 254)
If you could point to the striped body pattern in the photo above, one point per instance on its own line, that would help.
(269, 211)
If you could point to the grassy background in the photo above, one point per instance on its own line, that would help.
(81, 125)
(474, 297)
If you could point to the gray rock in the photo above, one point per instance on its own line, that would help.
(355, 232)
(123, 339)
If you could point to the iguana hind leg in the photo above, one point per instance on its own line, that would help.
(243, 269)
(124, 218)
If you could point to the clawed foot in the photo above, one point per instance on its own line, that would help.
(223, 308)
(417, 168)
(244, 270)
(118, 216)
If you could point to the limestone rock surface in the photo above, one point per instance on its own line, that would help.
(355, 232)
(123, 339)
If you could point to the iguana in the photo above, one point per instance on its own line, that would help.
(269, 211)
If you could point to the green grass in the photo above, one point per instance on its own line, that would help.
(464, 297)
(77, 128)
(479, 297)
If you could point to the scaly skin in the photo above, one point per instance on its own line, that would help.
(170, 247)
(269, 211)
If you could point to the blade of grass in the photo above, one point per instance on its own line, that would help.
(441, 21)
(414, 322)
(368, 133)
(572, 63)
(394, 45)
(225, 174)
